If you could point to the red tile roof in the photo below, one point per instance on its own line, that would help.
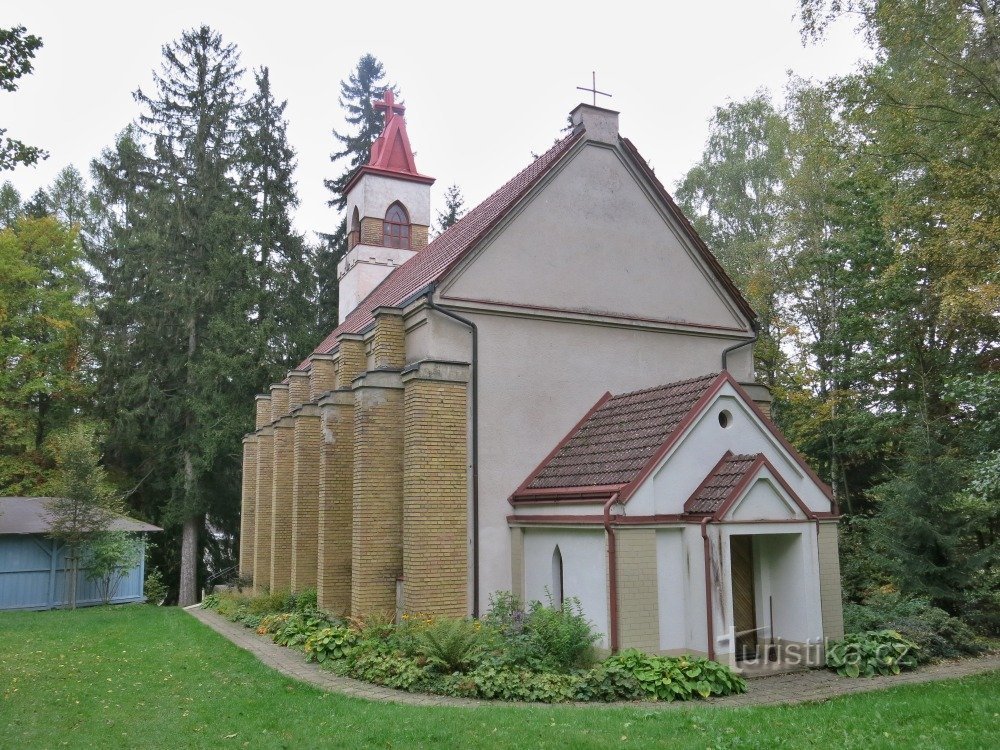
(720, 483)
(617, 439)
(434, 261)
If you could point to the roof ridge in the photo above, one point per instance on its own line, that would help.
(673, 384)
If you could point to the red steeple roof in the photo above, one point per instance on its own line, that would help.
(391, 154)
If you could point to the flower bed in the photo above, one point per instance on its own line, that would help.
(538, 653)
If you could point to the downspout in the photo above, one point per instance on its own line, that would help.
(612, 575)
(475, 439)
(755, 326)
(709, 619)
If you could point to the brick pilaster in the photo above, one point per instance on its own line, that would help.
(248, 506)
(389, 339)
(336, 502)
(281, 504)
(638, 590)
(322, 375)
(298, 389)
(279, 401)
(377, 538)
(305, 497)
(352, 362)
(262, 527)
(436, 489)
(262, 417)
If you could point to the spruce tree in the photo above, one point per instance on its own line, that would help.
(453, 208)
(284, 314)
(176, 373)
(365, 85)
(10, 204)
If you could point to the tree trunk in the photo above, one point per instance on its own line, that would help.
(189, 562)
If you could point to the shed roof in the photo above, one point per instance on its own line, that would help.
(28, 515)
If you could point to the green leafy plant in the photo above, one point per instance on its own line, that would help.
(298, 626)
(866, 654)
(108, 558)
(154, 588)
(609, 682)
(938, 634)
(391, 670)
(330, 643)
(672, 678)
(450, 643)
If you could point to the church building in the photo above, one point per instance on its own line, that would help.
(555, 397)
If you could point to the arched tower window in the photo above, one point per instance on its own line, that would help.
(396, 228)
(355, 236)
(557, 577)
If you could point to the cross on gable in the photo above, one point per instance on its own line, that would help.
(387, 104)
(593, 87)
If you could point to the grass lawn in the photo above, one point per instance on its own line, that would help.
(139, 676)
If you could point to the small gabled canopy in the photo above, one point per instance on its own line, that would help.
(622, 439)
(728, 482)
(29, 515)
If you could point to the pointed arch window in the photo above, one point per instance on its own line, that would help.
(557, 577)
(355, 235)
(396, 227)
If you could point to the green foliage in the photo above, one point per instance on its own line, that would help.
(938, 634)
(305, 600)
(672, 678)
(450, 643)
(453, 208)
(391, 670)
(45, 320)
(108, 557)
(296, 628)
(17, 50)
(330, 643)
(154, 588)
(609, 681)
(883, 652)
(544, 638)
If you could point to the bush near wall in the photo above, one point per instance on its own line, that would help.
(535, 653)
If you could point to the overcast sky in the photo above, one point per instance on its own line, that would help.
(484, 84)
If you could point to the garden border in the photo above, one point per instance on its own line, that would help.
(781, 689)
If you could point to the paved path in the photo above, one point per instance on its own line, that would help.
(796, 687)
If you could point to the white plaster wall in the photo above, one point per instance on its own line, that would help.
(705, 442)
(673, 578)
(363, 269)
(373, 194)
(765, 500)
(597, 240)
(537, 379)
(584, 555)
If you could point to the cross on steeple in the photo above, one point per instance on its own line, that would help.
(593, 87)
(387, 104)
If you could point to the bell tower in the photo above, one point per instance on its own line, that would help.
(388, 211)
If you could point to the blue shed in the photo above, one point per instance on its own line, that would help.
(33, 566)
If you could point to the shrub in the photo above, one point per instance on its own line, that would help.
(449, 643)
(270, 624)
(513, 684)
(938, 634)
(873, 652)
(304, 601)
(155, 589)
(108, 557)
(330, 643)
(543, 638)
(678, 678)
(265, 604)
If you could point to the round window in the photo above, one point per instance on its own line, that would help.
(725, 419)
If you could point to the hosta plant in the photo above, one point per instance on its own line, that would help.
(872, 652)
(330, 643)
(670, 678)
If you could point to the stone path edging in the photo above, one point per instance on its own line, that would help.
(783, 689)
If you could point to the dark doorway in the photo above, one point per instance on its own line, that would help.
(744, 612)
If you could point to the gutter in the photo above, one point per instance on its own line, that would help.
(612, 575)
(475, 438)
(755, 326)
(709, 620)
